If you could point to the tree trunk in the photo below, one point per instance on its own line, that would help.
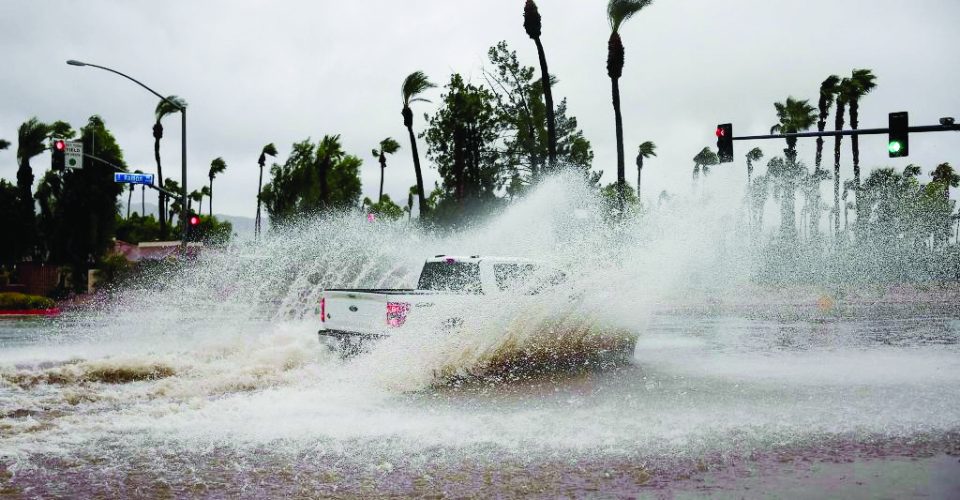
(380, 198)
(855, 145)
(621, 171)
(129, 197)
(161, 199)
(639, 171)
(548, 98)
(143, 201)
(211, 197)
(421, 197)
(256, 222)
(838, 125)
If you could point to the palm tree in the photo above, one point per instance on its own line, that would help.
(329, 151)
(388, 146)
(704, 159)
(173, 202)
(753, 155)
(31, 138)
(531, 23)
(217, 167)
(164, 107)
(842, 97)
(646, 149)
(413, 85)
(268, 150)
(618, 12)
(197, 197)
(4, 144)
(795, 116)
(862, 81)
(946, 175)
(828, 91)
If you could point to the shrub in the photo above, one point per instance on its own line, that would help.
(21, 301)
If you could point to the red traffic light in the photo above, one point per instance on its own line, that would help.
(60, 145)
(194, 220)
(720, 132)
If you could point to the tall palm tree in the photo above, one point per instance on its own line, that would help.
(388, 146)
(647, 149)
(862, 81)
(164, 107)
(268, 150)
(31, 141)
(415, 84)
(753, 155)
(842, 97)
(329, 151)
(618, 12)
(217, 167)
(828, 91)
(795, 116)
(532, 24)
(946, 175)
(196, 196)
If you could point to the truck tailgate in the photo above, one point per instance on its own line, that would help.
(360, 312)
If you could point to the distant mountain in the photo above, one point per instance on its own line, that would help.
(242, 226)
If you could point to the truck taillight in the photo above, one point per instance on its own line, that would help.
(397, 313)
(323, 309)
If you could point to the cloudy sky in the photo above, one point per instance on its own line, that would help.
(279, 71)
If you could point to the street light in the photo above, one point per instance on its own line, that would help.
(184, 215)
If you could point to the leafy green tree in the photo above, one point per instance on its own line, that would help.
(31, 141)
(10, 251)
(217, 167)
(521, 111)
(705, 159)
(618, 12)
(862, 82)
(268, 150)
(388, 146)
(414, 84)
(295, 188)
(944, 177)
(532, 25)
(78, 207)
(385, 208)
(462, 143)
(646, 149)
(164, 108)
(138, 228)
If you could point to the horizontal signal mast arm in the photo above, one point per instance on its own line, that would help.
(863, 131)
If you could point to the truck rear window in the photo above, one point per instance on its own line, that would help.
(459, 277)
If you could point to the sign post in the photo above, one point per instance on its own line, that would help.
(73, 154)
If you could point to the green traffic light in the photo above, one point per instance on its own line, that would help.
(894, 147)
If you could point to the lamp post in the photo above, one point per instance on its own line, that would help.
(183, 142)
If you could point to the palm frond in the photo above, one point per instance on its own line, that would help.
(414, 84)
(647, 149)
(30, 139)
(389, 146)
(4, 144)
(618, 11)
(172, 104)
(217, 166)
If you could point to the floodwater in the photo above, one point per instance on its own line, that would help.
(711, 403)
(208, 379)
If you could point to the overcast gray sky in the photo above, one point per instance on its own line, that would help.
(279, 71)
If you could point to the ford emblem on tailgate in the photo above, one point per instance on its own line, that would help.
(353, 308)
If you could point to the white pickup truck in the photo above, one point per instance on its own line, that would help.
(452, 292)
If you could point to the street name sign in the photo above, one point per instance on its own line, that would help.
(73, 154)
(133, 178)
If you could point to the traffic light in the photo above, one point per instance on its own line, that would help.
(194, 220)
(57, 155)
(725, 142)
(898, 144)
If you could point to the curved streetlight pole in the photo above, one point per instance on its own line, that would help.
(184, 216)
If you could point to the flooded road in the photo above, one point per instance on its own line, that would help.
(263, 407)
